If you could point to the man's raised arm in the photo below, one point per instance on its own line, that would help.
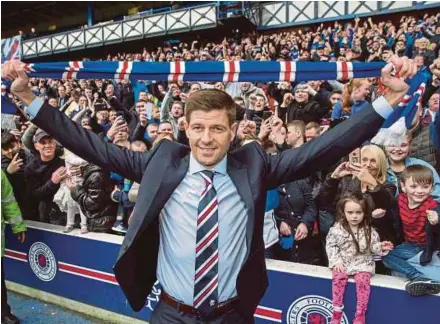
(71, 135)
(338, 142)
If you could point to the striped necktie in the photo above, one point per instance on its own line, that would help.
(206, 277)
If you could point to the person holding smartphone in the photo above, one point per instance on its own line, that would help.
(365, 173)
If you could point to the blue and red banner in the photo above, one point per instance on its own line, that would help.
(11, 48)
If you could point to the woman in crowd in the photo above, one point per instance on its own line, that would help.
(367, 179)
(353, 100)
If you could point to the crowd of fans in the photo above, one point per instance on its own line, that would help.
(52, 185)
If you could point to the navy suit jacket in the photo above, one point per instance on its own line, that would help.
(161, 170)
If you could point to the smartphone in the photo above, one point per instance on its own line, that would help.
(267, 114)
(149, 110)
(355, 156)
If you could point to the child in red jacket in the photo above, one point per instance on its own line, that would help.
(419, 217)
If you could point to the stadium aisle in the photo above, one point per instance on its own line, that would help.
(33, 311)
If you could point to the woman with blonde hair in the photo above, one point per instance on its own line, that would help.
(353, 99)
(367, 178)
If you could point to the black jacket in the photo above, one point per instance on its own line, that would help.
(297, 204)
(161, 170)
(93, 197)
(312, 111)
(41, 188)
(18, 181)
(383, 197)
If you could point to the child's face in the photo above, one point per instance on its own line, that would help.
(416, 192)
(353, 213)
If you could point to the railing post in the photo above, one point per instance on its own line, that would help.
(90, 13)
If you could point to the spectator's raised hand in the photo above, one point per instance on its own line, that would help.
(118, 125)
(143, 119)
(181, 122)
(15, 165)
(265, 129)
(287, 99)
(435, 68)
(341, 171)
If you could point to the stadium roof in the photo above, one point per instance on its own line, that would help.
(23, 15)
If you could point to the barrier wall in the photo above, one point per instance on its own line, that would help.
(79, 268)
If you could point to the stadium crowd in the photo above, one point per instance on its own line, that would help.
(399, 183)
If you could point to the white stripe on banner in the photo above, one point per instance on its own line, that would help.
(287, 71)
(270, 314)
(350, 70)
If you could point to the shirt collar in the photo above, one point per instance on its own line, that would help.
(195, 166)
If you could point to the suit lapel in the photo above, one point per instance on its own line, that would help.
(239, 176)
(155, 195)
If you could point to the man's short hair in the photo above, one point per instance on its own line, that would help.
(8, 140)
(299, 125)
(139, 144)
(165, 122)
(154, 125)
(312, 125)
(337, 91)
(208, 100)
(419, 173)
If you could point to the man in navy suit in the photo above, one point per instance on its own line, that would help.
(198, 222)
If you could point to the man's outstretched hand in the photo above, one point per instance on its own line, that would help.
(393, 76)
(14, 71)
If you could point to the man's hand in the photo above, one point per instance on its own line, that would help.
(393, 80)
(21, 236)
(285, 229)
(432, 217)
(14, 71)
(59, 175)
(15, 165)
(301, 232)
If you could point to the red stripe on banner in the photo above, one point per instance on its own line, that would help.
(177, 71)
(16, 255)
(214, 232)
(231, 71)
(87, 272)
(288, 71)
(344, 68)
(270, 313)
(123, 70)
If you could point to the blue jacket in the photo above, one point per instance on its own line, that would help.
(338, 112)
(391, 177)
